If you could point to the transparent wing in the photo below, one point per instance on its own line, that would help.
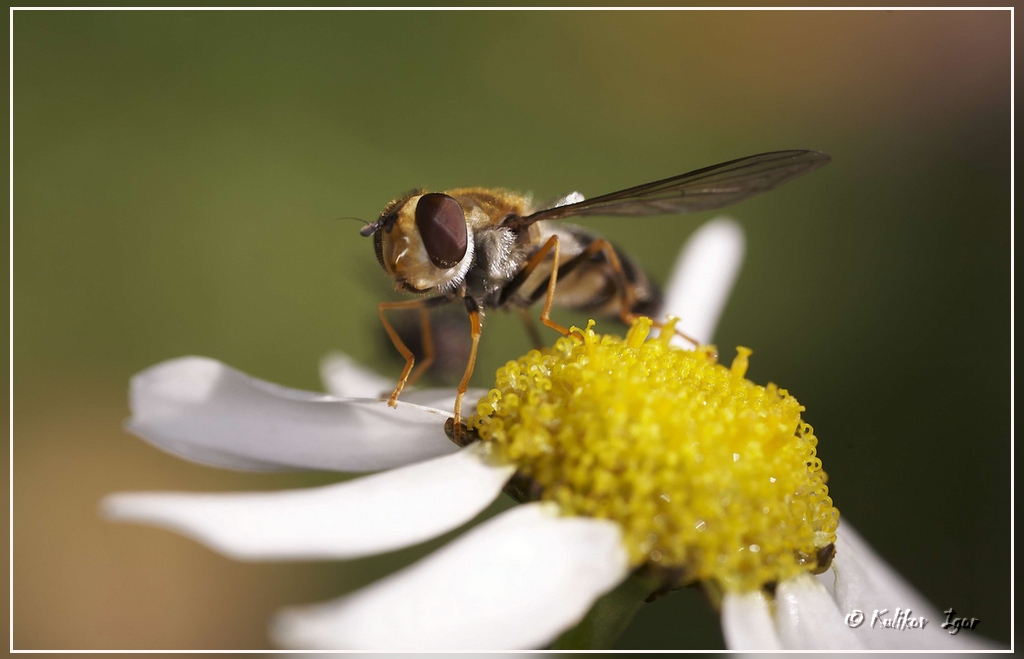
(704, 189)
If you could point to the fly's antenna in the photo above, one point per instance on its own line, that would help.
(385, 222)
(368, 229)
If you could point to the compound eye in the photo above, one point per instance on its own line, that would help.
(442, 227)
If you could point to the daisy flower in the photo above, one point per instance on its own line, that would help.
(718, 483)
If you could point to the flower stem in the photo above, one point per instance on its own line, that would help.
(610, 615)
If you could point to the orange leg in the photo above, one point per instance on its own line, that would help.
(474, 333)
(517, 282)
(400, 345)
(427, 341)
(625, 290)
(549, 298)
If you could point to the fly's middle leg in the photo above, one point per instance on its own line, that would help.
(550, 246)
(427, 343)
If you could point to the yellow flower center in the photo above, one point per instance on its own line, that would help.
(706, 472)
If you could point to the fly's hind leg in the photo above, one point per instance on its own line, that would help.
(626, 296)
(408, 376)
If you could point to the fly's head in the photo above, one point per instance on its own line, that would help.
(424, 242)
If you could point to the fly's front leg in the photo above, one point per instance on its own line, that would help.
(410, 359)
(475, 330)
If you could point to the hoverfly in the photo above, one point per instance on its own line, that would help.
(492, 249)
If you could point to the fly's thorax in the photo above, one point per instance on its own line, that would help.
(498, 258)
(495, 204)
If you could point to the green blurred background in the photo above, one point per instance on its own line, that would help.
(177, 180)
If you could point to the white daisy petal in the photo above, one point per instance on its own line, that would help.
(514, 582)
(747, 623)
(362, 517)
(344, 378)
(443, 398)
(807, 618)
(204, 411)
(865, 582)
(703, 277)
